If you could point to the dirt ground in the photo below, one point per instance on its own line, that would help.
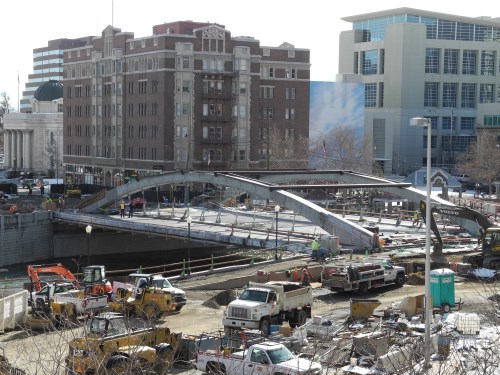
(195, 318)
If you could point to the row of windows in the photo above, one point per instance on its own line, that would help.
(491, 120)
(455, 143)
(48, 53)
(469, 96)
(451, 62)
(436, 28)
(96, 110)
(47, 62)
(452, 122)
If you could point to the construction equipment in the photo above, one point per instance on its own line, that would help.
(489, 256)
(94, 278)
(142, 297)
(111, 346)
(49, 270)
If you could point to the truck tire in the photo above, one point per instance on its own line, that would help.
(214, 368)
(400, 280)
(164, 357)
(363, 288)
(265, 326)
(117, 364)
(301, 319)
(150, 310)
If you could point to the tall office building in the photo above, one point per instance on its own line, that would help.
(190, 96)
(48, 65)
(416, 63)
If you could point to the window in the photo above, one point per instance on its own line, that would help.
(289, 134)
(205, 109)
(154, 86)
(468, 97)
(467, 123)
(432, 60)
(242, 111)
(431, 92)
(469, 62)
(488, 63)
(271, 72)
(451, 61)
(242, 155)
(486, 92)
(370, 95)
(369, 62)
(219, 110)
(289, 113)
(266, 92)
(448, 123)
(143, 87)
(243, 88)
(185, 86)
(131, 87)
(240, 65)
(450, 95)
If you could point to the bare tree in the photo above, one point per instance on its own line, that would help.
(5, 106)
(482, 161)
(342, 148)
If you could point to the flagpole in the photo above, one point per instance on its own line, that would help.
(18, 102)
(324, 153)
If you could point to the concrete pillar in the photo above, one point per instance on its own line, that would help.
(15, 162)
(7, 148)
(29, 149)
(19, 149)
(25, 149)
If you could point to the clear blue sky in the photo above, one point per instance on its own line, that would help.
(313, 25)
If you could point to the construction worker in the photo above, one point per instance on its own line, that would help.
(315, 249)
(306, 277)
(480, 236)
(416, 218)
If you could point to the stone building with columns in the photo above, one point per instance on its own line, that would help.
(33, 142)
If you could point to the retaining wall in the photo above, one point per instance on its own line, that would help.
(25, 237)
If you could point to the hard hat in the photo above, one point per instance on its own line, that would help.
(304, 270)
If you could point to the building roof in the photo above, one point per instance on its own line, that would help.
(439, 177)
(49, 91)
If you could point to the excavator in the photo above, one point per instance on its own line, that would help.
(489, 256)
(94, 280)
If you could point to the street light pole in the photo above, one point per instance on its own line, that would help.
(276, 211)
(88, 229)
(189, 221)
(426, 123)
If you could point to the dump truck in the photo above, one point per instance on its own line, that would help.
(361, 276)
(260, 305)
(143, 297)
(265, 358)
(111, 346)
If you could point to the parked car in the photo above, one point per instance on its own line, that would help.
(139, 202)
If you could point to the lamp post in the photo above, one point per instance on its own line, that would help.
(88, 229)
(426, 123)
(276, 211)
(189, 221)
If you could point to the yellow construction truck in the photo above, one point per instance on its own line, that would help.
(142, 297)
(110, 346)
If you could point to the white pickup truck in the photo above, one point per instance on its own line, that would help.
(261, 304)
(44, 295)
(265, 358)
(361, 276)
(82, 303)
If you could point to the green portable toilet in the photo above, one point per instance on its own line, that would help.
(443, 288)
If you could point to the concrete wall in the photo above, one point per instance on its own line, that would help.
(25, 237)
(69, 245)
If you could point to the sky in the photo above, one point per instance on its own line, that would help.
(314, 25)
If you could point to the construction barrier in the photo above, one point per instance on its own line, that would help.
(13, 310)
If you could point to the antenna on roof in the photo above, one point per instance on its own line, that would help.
(112, 13)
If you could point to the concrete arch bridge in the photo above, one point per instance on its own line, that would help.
(269, 185)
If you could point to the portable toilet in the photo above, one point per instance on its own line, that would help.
(443, 288)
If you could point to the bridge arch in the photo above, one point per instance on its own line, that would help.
(265, 188)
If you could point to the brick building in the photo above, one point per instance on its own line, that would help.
(190, 96)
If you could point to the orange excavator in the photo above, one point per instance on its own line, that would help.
(94, 277)
(50, 270)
